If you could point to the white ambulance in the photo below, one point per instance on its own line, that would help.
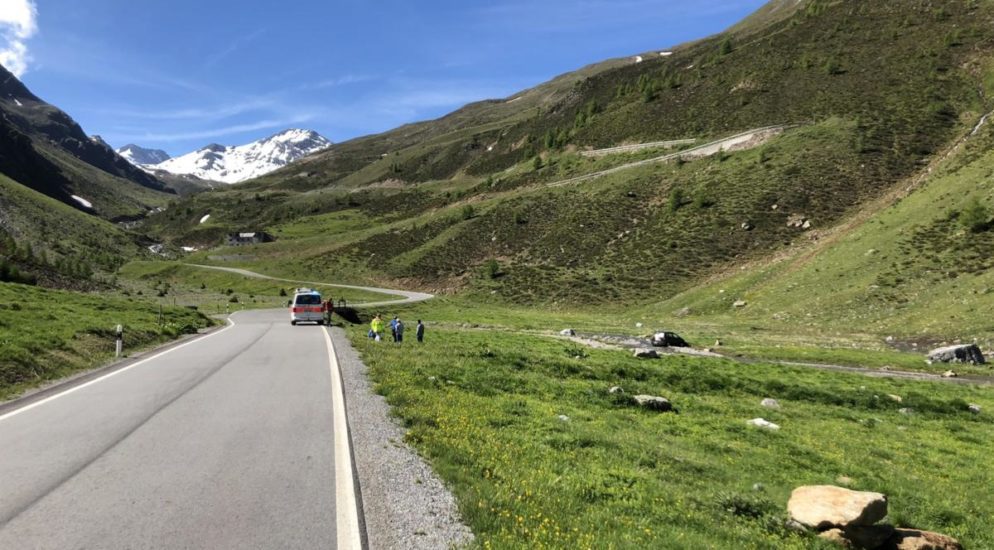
(306, 307)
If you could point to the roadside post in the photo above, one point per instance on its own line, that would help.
(119, 345)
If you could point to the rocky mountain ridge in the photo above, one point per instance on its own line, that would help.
(233, 164)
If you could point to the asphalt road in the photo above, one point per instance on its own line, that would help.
(227, 441)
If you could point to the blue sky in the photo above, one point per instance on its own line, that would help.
(180, 74)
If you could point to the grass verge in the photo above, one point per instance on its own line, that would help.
(47, 334)
(541, 455)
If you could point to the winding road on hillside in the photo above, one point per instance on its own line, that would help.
(407, 296)
(739, 142)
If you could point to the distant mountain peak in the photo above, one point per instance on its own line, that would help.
(295, 134)
(142, 157)
(232, 164)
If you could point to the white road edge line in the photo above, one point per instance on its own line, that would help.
(26, 408)
(347, 516)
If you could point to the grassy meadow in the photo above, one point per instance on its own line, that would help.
(540, 455)
(49, 334)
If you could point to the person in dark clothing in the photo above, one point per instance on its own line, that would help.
(393, 328)
(399, 331)
(420, 331)
(328, 308)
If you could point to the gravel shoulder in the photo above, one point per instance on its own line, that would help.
(405, 505)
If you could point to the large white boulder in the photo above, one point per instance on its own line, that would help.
(823, 507)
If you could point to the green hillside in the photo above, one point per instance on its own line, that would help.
(470, 202)
(45, 149)
(915, 264)
(54, 243)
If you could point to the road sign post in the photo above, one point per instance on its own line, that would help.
(119, 346)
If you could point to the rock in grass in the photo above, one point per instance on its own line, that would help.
(859, 536)
(616, 389)
(740, 303)
(868, 536)
(912, 539)
(643, 353)
(563, 418)
(567, 332)
(793, 525)
(966, 353)
(770, 403)
(667, 339)
(974, 408)
(823, 507)
(836, 536)
(654, 403)
(763, 423)
(949, 374)
(895, 398)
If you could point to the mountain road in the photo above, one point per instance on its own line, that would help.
(237, 439)
(405, 296)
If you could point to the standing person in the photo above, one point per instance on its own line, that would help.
(377, 327)
(393, 327)
(399, 331)
(328, 308)
(419, 331)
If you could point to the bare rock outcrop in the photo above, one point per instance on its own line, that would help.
(966, 353)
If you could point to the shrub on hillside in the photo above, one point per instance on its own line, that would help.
(676, 199)
(975, 217)
(492, 269)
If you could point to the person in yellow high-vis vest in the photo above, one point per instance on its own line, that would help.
(376, 326)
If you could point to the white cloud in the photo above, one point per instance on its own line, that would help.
(18, 23)
(336, 82)
(212, 133)
(218, 112)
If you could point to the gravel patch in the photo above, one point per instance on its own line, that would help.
(406, 506)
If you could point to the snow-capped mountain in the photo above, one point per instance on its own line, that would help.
(239, 163)
(140, 156)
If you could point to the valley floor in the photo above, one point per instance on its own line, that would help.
(521, 424)
(519, 421)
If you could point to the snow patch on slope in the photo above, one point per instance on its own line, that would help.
(83, 202)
